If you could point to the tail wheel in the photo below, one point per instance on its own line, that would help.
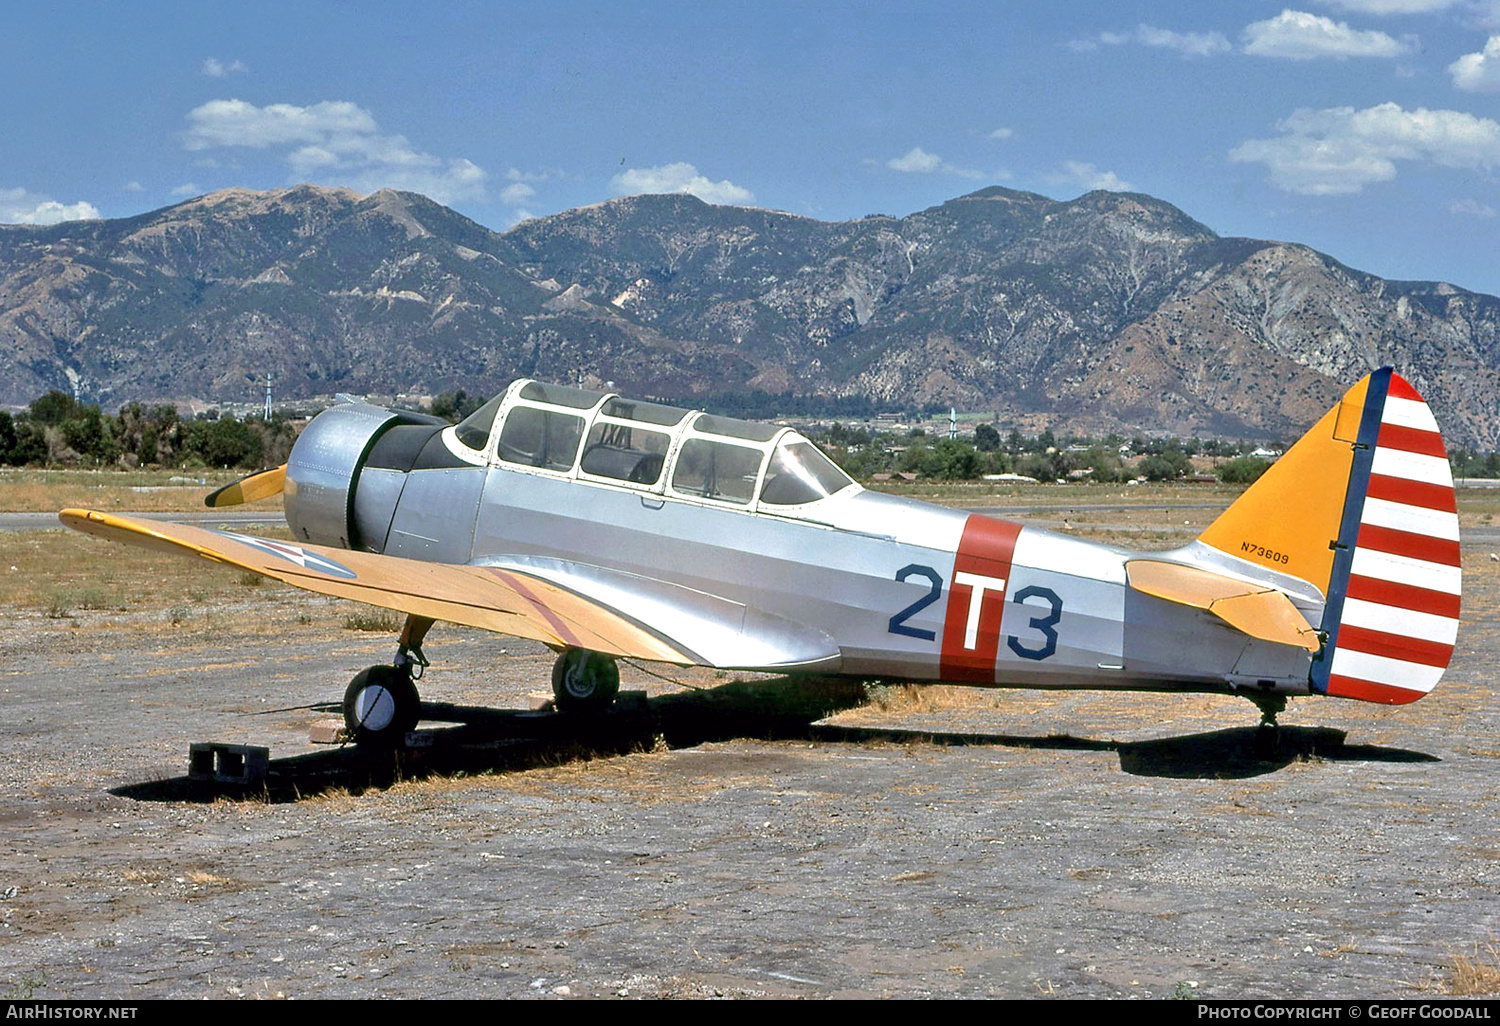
(584, 681)
(381, 706)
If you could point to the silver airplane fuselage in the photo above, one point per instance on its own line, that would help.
(906, 590)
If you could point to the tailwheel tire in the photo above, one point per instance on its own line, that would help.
(1267, 740)
(584, 681)
(380, 707)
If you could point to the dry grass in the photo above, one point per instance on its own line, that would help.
(930, 697)
(61, 572)
(1476, 974)
(150, 877)
(380, 621)
(87, 584)
(202, 878)
(47, 491)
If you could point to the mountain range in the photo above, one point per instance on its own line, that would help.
(1112, 311)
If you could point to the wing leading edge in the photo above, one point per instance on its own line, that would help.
(562, 605)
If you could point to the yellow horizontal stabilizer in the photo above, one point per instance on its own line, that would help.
(1255, 609)
(260, 485)
(507, 601)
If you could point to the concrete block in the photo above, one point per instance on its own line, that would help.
(228, 764)
(327, 732)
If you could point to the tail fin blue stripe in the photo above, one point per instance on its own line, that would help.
(1354, 504)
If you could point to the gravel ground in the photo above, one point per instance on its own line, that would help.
(752, 839)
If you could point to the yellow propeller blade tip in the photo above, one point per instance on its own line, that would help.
(260, 485)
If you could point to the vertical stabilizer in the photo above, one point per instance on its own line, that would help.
(1363, 508)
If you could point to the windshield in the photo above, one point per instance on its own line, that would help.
(474, 430)
(799, 473)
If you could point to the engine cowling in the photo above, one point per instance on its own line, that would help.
(324, 468)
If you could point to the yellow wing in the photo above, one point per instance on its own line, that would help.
(500, 599)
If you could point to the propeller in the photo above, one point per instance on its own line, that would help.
(261, 485)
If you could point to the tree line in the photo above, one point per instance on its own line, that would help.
(1043, 456)
(57, 429)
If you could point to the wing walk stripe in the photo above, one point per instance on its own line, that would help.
(1404, 596)
(1406, 543)
(1369, 691)
(1407, 439)
(1394, 646)
(564, 632)
(1412, 493)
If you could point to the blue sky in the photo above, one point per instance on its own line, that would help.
(1369, 129)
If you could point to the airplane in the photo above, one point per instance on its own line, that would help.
(610, 528)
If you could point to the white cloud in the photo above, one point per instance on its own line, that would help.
(458, 180)
(1340, 150)
(1468, 207)
(134, 186)
(336, 142)
(1298, 35)
(185, 189)
(515, 192)
(215, 68)
(918, 161)
(520, 190)
(1001, 133)
(1188, 44)
(1478, 72)
(1089, 177)
(1384, 7)
(21, 206)
(237, 123)
(675, 178)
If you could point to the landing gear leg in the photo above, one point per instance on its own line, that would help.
(1267, 737)
(409, 647)
(584, 682)
(381, 704)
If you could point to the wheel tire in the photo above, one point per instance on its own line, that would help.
(584, 681)
(1267, 741)
(380, 706)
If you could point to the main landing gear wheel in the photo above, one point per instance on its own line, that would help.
(584, 681)
(380, 706)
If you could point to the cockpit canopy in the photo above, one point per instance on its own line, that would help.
(599, 436)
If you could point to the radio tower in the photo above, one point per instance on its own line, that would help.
(268, 397)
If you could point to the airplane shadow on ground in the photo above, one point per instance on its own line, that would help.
(490, 741)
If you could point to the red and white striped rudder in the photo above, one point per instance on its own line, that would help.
(1393, 599)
